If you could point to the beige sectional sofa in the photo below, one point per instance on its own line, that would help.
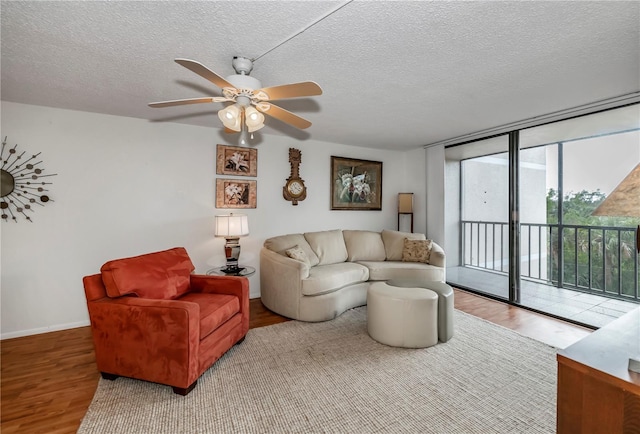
(332, 270)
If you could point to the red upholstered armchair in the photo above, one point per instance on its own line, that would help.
(153, 320)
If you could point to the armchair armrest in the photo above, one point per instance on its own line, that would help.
(229, 285)
(156, 340)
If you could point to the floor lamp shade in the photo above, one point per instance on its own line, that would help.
(405, 206)
(405, 203)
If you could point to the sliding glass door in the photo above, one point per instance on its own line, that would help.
(589, 271)
(478, 175)
(521, 223)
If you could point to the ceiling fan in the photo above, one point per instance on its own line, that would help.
(250, 99)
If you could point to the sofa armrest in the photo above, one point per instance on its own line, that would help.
(281, 282)
(438, 257)
(154, 339)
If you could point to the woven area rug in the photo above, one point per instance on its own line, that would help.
(331, 377)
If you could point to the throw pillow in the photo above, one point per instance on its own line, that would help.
(298, 254)
(416, 250)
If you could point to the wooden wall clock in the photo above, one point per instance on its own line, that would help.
(294, 189)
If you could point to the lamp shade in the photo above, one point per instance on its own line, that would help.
(405, 203)
(253, 118)
(231, 117)
(232, 225)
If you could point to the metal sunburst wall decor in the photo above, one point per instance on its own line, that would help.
(21, 183)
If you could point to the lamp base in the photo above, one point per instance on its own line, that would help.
(232, 252)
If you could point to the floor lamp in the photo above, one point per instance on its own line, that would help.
(405, 206)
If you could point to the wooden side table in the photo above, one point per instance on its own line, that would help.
(596, 391)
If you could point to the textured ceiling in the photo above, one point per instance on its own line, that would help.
(395, 75)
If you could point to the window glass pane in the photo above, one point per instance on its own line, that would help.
(571, 260)
(478, 175)
(592, 168)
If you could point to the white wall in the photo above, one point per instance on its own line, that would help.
(435, 188)
(129, 186)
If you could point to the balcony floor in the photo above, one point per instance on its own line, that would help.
(586, 308)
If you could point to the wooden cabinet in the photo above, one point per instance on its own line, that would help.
(596, 391)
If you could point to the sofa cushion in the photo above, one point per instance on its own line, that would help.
(298, 254)
(215, 309)
(328, 245)
(282, 243)
(328, 278)
(394, 243)
(416, 250)
(389, 270)
(364, 246)
(159, 275)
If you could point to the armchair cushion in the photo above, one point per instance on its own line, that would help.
(215, 309)
(159, 275)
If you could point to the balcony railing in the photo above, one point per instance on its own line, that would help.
(597, 259)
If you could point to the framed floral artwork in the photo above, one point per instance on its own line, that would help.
(236, 193)
(237, 161)
(356, 184)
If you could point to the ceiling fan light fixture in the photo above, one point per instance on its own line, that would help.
(247, 91)
(230, 117)
(253, 118)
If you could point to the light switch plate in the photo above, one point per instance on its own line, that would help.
(634, 364)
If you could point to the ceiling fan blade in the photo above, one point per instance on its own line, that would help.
(230, 131)
(181, 102)
(293, 90)
(283, 115)
(204, 72)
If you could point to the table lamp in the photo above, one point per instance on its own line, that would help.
(232, 227)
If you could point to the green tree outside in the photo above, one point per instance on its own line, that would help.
(605, 246)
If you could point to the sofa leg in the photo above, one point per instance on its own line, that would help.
(185, 391)
(241, 340)
(108, 376)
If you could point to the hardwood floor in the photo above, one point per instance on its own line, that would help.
(48, 380)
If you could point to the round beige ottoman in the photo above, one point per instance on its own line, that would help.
(402, 317)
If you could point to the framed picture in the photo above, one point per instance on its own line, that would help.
(233, 160)
(236, 193)
(356, 184)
